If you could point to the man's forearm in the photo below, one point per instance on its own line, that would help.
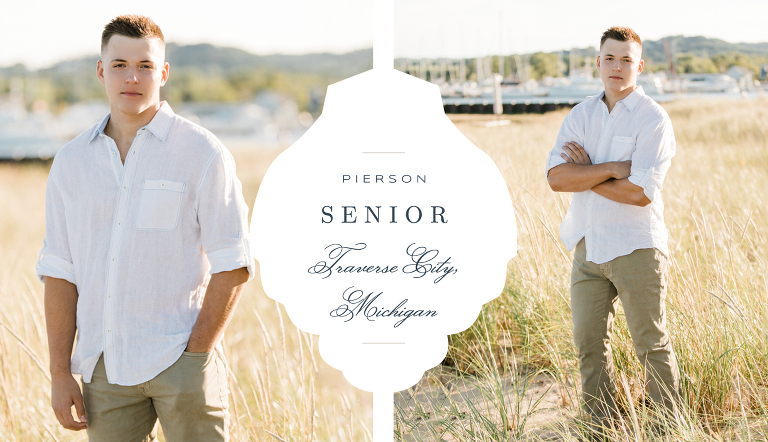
(622, 191)
(572, 177)
(221, 297)
(61, 322)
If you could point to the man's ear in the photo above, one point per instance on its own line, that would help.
(597, 62)
(640, 66)
(100, 71)
(166, 72)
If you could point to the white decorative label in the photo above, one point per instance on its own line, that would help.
(383, 230)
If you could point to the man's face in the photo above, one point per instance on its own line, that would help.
(133, 70)
(619, 64)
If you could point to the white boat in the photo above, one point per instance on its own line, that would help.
(25, 135)
(708, 83)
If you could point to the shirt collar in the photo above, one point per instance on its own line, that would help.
(630, 101)
(633, 99)
(161, 123)
(159, 126)
(99, 128)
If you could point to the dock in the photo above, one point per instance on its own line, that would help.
(533, 105)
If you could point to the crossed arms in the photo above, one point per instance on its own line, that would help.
(609, 179)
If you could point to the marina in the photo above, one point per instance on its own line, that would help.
(507, 84)
(36, 132)
(495, 95)
(269, 120)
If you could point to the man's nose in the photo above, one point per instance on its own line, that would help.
(131, 76)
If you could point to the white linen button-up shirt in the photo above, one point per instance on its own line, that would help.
(637, 129)
(140, 240)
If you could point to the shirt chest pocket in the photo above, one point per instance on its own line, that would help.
(621, 148)
(160, 205)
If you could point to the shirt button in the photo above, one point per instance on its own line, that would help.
(109, 331)
(113, 259)
(113, 154)
(119, 224)
(125, 187)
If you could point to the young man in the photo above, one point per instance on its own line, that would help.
(145, 256)
(612, 152)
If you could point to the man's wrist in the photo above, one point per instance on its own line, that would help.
(60, 373)
(193, 348)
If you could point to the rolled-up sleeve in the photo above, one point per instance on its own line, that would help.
(55, 258)
(568, 133)
(223, 216)
(652, 157)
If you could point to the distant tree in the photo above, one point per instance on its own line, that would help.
(543, 64)
(690, 64)
(248, 83)
(189, 86)
(469, 65)
(198, 73)
(652, 66)
(749, 61)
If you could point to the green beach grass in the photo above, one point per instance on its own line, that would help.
(518, 360)
(280, 387)
(716, 213)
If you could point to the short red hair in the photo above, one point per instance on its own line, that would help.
(134, 26)
(620, 33)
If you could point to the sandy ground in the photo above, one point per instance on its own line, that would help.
(538, 405)
(535, 403)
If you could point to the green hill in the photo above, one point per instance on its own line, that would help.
(200, 72)
(691, 55)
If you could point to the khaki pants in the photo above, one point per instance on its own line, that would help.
(190, 397)
(639, 280)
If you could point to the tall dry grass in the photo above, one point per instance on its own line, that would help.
(718, 224)
(716, 213)
(281, 388)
